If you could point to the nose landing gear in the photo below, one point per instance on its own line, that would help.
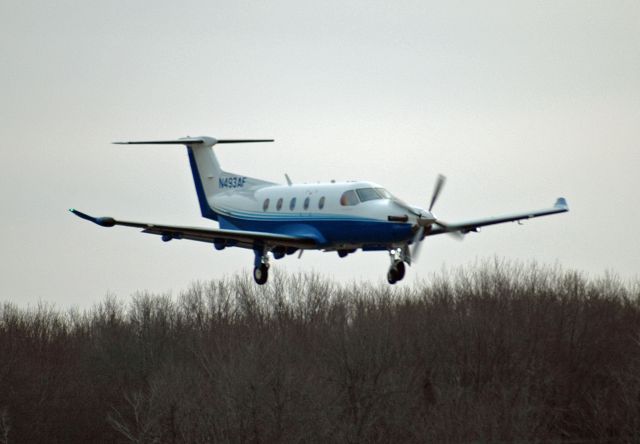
(396, 271)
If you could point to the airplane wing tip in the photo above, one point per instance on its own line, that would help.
(102, 221)
(561, 203)
(80, 214)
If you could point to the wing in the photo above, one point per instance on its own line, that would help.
(238, 238)
(559, 207)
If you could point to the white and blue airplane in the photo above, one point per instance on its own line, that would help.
(278, 220)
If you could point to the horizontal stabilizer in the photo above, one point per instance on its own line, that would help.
(244, 140)
(206, 141)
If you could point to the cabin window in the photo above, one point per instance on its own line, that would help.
(265, 205)
(349, 198)
(306, 203)
(292, 204)
(279, 204)
(321, 203)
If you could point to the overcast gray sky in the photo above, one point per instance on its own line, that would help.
(517, 103)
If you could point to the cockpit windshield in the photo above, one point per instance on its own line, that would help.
(353, 197)
(384, 193)
(366, 194)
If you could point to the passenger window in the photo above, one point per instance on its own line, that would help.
(292, 204)
(321, 203)
(366, 194)
(279, 204)
(306, 203)
(265, 205)
(349, 198)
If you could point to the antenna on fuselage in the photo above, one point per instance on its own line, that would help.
(286, 176)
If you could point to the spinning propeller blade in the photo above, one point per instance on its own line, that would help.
(416, 243)
(436, 191)
(456, 234)
(417, 239)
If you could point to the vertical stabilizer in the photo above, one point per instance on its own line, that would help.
(205, 169)
(208, 177)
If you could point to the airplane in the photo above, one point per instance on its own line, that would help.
(282, 219)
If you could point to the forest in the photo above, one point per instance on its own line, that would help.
(495, 352)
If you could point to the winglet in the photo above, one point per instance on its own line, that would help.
(102, 221)
(561, 203)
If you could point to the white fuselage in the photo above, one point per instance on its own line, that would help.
(321, 208)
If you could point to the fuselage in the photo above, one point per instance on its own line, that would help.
(344, 215)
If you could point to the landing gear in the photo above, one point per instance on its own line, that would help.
(261, 274)
(396, 272)
(261, 266)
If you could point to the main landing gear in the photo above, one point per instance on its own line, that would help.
(397, 269)
(261, 267)
(261, 274)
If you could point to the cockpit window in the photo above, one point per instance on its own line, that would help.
(384, 193)
(366, 194)
(349, 198)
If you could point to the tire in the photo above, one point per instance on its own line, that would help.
(400, 269)
(392, 276)
(261, 274)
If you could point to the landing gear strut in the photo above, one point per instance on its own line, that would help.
(261, 267)
(397, 269)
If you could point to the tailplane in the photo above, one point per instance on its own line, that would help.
(209, 178)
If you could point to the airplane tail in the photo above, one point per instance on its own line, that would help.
(209, 178)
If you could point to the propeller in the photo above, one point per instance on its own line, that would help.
(456, 234)
(440, 181)
(417, 238)
(416, 243)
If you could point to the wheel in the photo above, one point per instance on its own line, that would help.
(399, 271)
(396, 272)
(392, 275)
(261, 274)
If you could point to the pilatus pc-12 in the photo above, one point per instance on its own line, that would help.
(279, 220)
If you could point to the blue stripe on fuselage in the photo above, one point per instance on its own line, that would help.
(326, 231)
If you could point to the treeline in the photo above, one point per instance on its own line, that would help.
(496, 353)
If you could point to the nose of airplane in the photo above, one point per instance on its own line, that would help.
(416, 215)
(424, 217)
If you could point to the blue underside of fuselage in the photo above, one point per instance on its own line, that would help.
(370, 234)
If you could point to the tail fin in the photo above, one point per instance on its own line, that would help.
(208, 177)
